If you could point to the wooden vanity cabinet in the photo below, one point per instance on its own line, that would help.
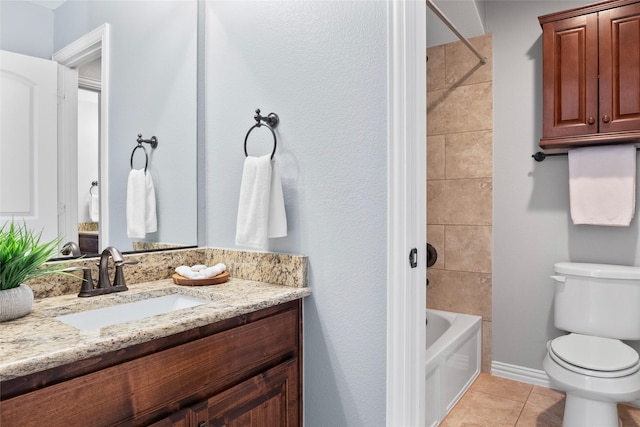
(591, 75)
(244, 371)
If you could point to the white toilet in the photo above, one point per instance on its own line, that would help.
(598, 305)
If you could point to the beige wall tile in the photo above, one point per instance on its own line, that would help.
(435, 68)
(460, 201)
(460, 292)
(468, 248)
(460, 109)
(468, 155)
(486, 346)
(435, 236)
(435, 157)
(462, 67)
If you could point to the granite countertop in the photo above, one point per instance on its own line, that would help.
(38, 341)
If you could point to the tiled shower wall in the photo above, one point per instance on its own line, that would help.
(459, 181)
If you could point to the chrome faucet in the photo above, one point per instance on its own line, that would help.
(103, 286)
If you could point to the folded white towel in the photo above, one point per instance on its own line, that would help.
(141, 204)
(199, 273)
(602, 184)
(94, 207)
(136, 206)
(277, 214)
(261, 212)
(150, 217)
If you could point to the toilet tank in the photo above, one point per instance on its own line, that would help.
(597, 299)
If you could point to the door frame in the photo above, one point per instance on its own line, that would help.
(406, 212)
(82, 51)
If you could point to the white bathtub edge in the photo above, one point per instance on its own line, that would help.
(460, 331)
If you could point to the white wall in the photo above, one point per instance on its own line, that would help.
(26, 28)
(322, 67)
(532, 224)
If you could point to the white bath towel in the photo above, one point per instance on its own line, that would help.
(602, 184)
(141, 204)
(150, 217)
(94, 207)
(261, 212)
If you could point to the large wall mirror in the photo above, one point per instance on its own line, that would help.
(147, 85)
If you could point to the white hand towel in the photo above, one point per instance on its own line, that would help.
(141, 205)
(277, 214)
(150, 217)
(136, 204)
(602, 184)
(261, 212)
(94, 207)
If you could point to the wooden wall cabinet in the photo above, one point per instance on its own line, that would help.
(591, 75)
(242, 371)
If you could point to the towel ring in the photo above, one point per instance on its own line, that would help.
(257, 125)
(146, 156)
(271, 121)
(93, 184)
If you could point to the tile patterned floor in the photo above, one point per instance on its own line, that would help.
(499, 402)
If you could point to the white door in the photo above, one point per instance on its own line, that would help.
(28, 142)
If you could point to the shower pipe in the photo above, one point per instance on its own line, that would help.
(445, 20)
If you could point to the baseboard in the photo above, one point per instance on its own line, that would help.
(527, 375)
(520, 373)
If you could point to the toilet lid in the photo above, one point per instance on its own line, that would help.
(607, 357)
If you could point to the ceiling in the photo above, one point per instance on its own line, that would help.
(49, 4)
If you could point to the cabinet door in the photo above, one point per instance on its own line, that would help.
(620, 69)
(570, 76)
(266, 400)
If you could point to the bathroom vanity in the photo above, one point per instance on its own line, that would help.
(247, 366)
(234, 359)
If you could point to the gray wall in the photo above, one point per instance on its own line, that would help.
(532, 224)
(26, 28)
(153, 92)
(322, 67)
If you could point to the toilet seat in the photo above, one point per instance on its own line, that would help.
(594, 356)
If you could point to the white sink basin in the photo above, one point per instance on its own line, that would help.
(102, 317)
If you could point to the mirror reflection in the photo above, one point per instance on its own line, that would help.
(149, 88)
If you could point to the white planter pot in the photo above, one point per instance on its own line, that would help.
(15, 302)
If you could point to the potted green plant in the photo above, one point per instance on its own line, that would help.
(21, 258)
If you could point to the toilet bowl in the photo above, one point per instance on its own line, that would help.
(591, 401)
(598, 305)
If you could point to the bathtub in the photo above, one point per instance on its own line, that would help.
(452, 360)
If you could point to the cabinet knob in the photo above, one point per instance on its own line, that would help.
(606, 119)
(591, 120)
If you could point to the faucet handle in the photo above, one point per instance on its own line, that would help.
(87, 280)
(118, 280)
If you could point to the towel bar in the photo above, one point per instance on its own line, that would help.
(540, 156)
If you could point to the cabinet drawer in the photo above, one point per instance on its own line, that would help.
(151, 387)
